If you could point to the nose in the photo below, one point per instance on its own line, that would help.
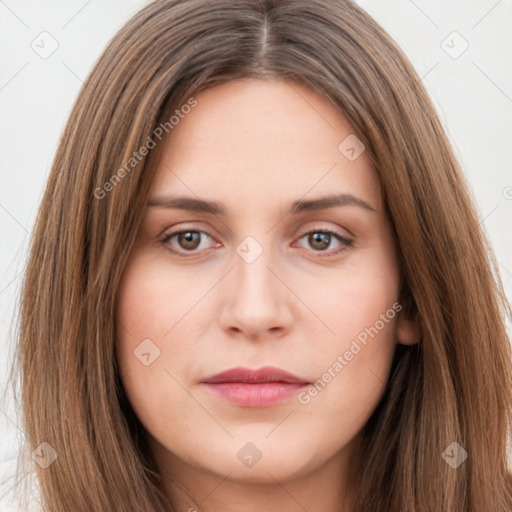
(257, 301)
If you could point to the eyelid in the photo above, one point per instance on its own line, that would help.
(325, 229)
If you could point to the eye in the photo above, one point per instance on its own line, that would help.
(320, 240)
(188, 240)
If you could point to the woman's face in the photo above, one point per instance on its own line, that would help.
(260, 280)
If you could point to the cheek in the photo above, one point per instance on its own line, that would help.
(153, 302)
(156, 335)
(352, 364)
(356, 297)
(144, 298)
(146, 311)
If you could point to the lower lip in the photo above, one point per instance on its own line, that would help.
(255, 395)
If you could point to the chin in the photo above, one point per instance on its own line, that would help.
(260, 461)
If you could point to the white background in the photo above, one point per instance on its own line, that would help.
(473, 94)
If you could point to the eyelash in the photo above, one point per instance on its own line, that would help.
(346, 243)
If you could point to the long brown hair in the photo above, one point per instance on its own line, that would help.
(454, 386)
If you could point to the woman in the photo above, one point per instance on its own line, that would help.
(257, 279)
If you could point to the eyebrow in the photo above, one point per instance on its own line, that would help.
(299, 206)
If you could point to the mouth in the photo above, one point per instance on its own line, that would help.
(255, 388)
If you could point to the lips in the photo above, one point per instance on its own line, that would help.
(263, 375)
(265, 387)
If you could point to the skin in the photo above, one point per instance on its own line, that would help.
(257, 146)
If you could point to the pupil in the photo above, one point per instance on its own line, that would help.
(321, 238)
(188, 239)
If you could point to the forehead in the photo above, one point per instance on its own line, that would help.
(248, 139)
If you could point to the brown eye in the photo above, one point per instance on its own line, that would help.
(320, 240)
(189, 239)
(185, 241)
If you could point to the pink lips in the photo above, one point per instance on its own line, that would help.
(255, 388)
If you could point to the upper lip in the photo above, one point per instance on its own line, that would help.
(262, 375)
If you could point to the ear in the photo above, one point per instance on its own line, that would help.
(408, 332)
